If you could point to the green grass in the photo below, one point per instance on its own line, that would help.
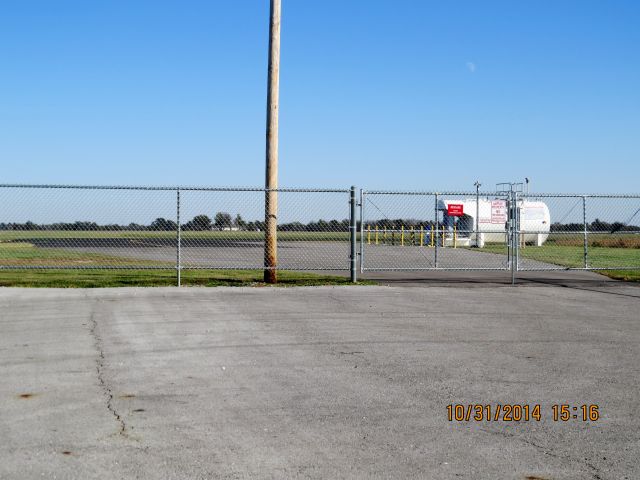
(604, 239)
(573, 256)
(26, 254)
(16, 254)
(161, 278)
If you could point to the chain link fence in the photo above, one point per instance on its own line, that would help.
(181, 228)
(189, 228)
(584, 232)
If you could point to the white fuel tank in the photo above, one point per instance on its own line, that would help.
(535, 220)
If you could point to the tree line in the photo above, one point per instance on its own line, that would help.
(596, 226)
(220, 221)
(225, 221)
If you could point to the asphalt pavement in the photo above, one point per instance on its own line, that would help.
(327, 382)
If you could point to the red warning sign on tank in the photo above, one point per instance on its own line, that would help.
(455, 210)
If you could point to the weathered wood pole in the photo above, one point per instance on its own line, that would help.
(271, 180)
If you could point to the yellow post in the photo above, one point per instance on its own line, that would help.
(433, 239)
(368, 234)
(376, 234)
(455, 236)
(384, 236)
(413, 237)
(443, 236)
(402, 236)
(421, 235)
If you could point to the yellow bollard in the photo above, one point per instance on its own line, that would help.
(384, 236)
(368, 234)
(376, 234)
(443, 236)
(412, 237)
(422, 235)
(402, 236)
(455, 236)
(433, 238)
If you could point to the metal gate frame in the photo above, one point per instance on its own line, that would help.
(513, 231)
(511, 228)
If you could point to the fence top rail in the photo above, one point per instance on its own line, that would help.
(502, 194)
(579, 195)
(314, 190)
(174, 188)
(431, 193)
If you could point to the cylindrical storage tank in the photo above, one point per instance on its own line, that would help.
(535, 219)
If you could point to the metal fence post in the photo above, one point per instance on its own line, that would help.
(586, 241)
(436, 232)
(515, 235)
(362, 195)
(508, 231)
(178, 237)
(353, 233)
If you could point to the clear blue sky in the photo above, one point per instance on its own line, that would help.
(401, 95)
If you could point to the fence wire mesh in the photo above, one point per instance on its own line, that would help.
(590, 232)
(499, 231)
(69, 227)
(414, 231)
(187, 228)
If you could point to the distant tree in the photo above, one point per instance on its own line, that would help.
(135, 227)
(322, 225)
(199, 222)
(222, 220)
(239, 222)
(162, 224)
(292, 227)
(255, 226)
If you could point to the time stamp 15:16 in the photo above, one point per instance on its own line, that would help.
(520, 412)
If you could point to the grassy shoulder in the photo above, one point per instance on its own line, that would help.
(573, 256)
(80, 274)
(162, 278)
(27, 254)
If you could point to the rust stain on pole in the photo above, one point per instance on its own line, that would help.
(271, 180)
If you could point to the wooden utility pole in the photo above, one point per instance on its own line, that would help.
(271, 180)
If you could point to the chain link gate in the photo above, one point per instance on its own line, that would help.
(435, 231)
(505, 230)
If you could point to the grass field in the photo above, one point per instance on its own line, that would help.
(16, 250)
(25, 254)
(573, 256)
(160, 278)
(605, 240)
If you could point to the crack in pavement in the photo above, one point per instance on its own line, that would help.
(595, 472)
(106, 389)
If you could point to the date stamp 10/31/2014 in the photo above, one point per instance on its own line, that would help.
(521, 412)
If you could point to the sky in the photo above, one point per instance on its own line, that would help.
(402, 95)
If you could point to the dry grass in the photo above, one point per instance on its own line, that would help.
(596, 240)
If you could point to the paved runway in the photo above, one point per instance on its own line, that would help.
(344, 382)
(296, 255)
